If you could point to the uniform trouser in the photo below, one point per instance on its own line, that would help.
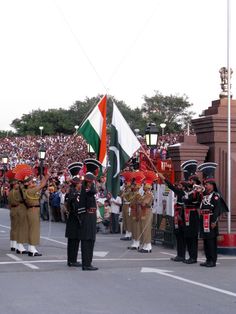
(146, 227)
(33, 215)
(180, 243)
(23, 225)
(87, 252)
(127, 223)
(72, 250)
(192, 246)
(14, 224)
(210, 249)
(136, 233)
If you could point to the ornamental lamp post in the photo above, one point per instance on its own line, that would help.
(91, 151)
(4, 159)
(162, 125)
(151, 135)
(76, 129)
(136, 131)
(41, 130)
(41, 156)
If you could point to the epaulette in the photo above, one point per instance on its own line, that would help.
(216, 196)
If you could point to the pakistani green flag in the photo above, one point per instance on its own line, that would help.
(123, 145)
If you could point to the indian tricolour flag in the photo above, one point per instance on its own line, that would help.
(94, 128)
(123, 145)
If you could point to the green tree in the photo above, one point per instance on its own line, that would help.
(172, 110)
(54, 121)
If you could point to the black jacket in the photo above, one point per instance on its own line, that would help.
(89, 220)
(73, 202)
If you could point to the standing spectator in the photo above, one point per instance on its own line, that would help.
(62, 194)
(55, 205)
(44, 199)
(115, 213)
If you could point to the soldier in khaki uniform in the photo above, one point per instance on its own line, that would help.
(146, 213)
(136, 210)
(18, 214)
(126, 196)
(12, 202)
(31, 192)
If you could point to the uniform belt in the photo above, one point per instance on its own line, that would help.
(12, 206)
(191, 208)
(205, 211)
(91, 210)
(34, 206)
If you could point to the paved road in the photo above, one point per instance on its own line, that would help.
(127, 282)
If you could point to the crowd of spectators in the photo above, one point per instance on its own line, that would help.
(61, 150)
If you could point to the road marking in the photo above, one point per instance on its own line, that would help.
(5, 226)
(170, 254)
(28, 264)
(95, 253)
(165, 273)
(20, 261)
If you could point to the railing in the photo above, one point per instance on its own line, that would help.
(163, 231)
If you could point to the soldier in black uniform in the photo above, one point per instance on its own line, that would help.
(211, 207)
(192, 201)
(179, 189)
(89, 218)
(75, 206)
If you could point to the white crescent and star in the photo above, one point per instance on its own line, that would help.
(117, 153)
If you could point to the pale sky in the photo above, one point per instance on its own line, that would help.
(54, 52)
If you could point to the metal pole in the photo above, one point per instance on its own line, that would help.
(41, 169)
(229, 118)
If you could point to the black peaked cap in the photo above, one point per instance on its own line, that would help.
(190, 166)
(74, 168)
(92, 165)
(208, 170)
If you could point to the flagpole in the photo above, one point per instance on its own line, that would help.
(229, 116)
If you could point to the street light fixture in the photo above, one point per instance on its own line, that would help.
(76, 129)
(90, 149)
(162, 125)
(41, 130)
(42, 153)
(4, 159)
(151, 135)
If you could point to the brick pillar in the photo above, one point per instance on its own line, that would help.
(185, 150)
(211, 130)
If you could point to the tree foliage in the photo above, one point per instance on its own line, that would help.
(173, 110)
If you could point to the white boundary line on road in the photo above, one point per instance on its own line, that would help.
(28, 264)
(95, 253)
(20, 261)
(165, 273)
